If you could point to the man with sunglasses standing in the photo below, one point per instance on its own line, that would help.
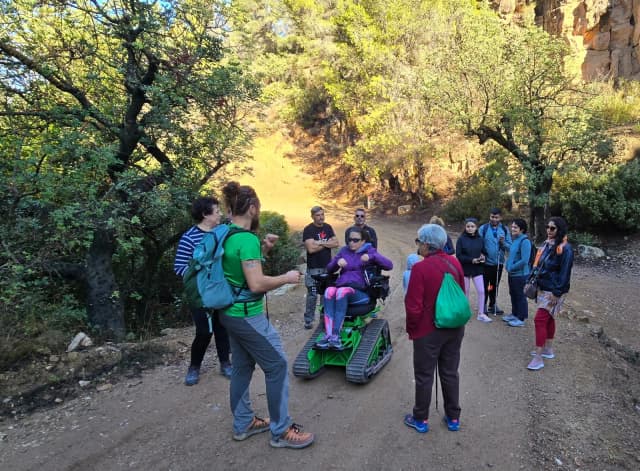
(360, 221)
(319, 239)
(497, 240)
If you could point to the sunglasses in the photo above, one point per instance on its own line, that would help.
(417, 241)
(360, 216)
(551, 228)
(354, 240)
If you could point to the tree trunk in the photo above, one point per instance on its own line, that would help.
(105, 307)
(538, 203)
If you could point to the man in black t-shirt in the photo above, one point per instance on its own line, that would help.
(360, 221)
(319, 239)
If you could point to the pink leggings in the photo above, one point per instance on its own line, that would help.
(479, 284)
(545, 326)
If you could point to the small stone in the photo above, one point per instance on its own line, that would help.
(57, 400)
(83, 383)
(104, 387)
(558, 461)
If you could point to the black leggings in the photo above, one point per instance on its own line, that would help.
(207, 323)
(492, 276)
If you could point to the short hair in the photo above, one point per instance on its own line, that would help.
(495, 211)
(202, 207)
(436, 220)
(315, 209)
(433, 236)
(521, 223)
(360, 209)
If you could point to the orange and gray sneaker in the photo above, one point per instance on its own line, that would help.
(294, 437)
(258, 425)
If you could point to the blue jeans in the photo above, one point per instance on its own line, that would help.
(254, 340)
(519, 306)
(336, 303)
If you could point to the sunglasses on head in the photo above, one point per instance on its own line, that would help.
(351, 239)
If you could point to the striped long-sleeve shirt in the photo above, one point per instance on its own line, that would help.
(186, 246)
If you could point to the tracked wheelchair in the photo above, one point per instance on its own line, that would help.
(366, 341)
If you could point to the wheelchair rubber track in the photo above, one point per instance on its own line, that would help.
(358, 369)
(301, 364)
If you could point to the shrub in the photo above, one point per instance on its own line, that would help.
(609, 201)
(476, 195)
(285, 254)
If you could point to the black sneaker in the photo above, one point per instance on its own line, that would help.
(308, 325)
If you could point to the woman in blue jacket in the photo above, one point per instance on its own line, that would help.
(518, 270)
(351, 284)
(554, 262)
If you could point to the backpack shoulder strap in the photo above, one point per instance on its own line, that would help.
(451, 265)
(483, 230)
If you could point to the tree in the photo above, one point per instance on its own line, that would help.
(114, 115)
(508, 85)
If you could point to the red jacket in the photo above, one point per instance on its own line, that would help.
(424, 284)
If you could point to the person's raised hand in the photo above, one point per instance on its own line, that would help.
(293, 276)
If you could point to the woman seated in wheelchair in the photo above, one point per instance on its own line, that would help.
(351, 284)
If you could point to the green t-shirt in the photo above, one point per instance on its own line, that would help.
(237, 249)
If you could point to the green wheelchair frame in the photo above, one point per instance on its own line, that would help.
(365, 338)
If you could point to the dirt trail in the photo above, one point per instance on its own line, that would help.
(580, 412)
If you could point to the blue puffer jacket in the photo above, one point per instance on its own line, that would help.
(518, 261)
(555, 272)
(353, 274)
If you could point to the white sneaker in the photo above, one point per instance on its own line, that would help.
(484, 318)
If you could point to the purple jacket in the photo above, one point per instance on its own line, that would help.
(353, 274)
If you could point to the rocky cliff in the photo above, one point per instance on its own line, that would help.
(604, 34)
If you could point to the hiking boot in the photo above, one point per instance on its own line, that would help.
(335, 343)
(421, 426)
(509, 318)
(308, 325)
(258, 425)
(323, 342)
(226, 369)
(294, 437)
(536, 363)
(452, 424)
(516, 323)
(484, 318)
(193, 376)
(546, 353)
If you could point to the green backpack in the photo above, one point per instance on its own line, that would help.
(452, 305)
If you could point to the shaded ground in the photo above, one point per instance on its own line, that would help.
(581, 412)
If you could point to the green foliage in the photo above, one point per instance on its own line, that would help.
(619, 106)
(475, 196)
(113, 117)
(608, 202)
(584, 238)
(285, 254)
